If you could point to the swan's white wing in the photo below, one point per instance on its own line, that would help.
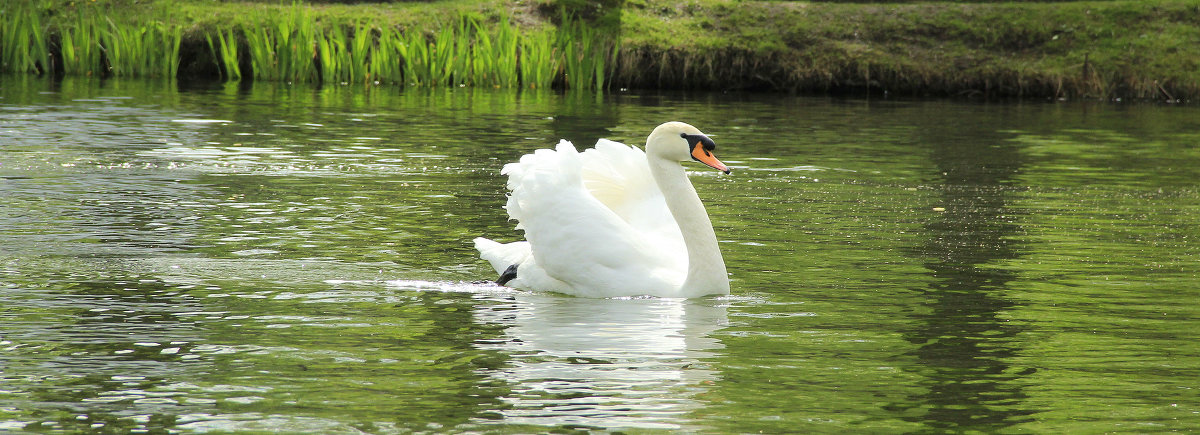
(592, 221)
(619, 177)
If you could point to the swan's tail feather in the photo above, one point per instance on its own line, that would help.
(501, 255)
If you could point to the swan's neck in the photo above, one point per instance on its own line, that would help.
(706, 269)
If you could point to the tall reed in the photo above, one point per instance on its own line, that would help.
(295, 46)
(346, 58)
(494, 55)
(362, 48)
(285, 49)
(470, 50)
(451, 51)
(414, 56)
(225, 53)
(146, 50)
(330, 46)
(170, 39)
(80, 48)
(387, 63)
(23, 41)
(538, 60)
(585, 54)
(89, 45)
(261, 51)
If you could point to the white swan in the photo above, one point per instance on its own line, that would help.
(612, 221)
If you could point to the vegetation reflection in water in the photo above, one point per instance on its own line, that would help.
(288, 258)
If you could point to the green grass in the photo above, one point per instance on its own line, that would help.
(1081, 49)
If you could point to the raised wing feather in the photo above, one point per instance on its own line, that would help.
(596, 220)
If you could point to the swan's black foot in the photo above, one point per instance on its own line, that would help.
(508, 275)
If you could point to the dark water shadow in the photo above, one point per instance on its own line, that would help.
(964, 345)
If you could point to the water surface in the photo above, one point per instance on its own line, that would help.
(219, 258)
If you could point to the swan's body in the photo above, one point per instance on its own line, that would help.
(612, 220)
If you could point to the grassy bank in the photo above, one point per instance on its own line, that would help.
(1082, 49)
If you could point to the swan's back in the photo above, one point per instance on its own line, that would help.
(595, 221)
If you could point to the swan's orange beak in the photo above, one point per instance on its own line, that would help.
(703, 156)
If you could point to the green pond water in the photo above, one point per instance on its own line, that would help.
(226, 258)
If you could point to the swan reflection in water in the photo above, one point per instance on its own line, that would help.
(604, 363)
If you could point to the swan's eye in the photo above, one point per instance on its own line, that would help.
(699, 141)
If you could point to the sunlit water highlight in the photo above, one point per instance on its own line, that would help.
(272, 258)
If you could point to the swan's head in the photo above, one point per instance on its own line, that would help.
(681, 142)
